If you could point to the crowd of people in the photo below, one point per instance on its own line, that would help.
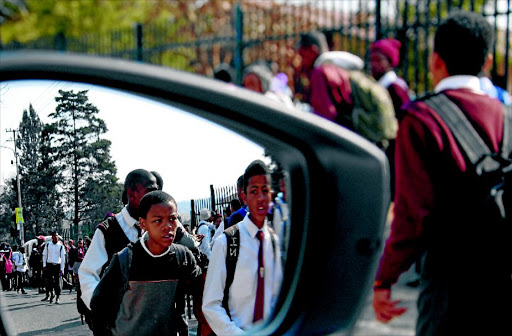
(48, 264)
(232, 262)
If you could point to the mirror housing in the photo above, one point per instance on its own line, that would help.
(339, 182)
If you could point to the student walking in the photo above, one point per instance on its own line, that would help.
(142, 291)
(54, 261)
(255, 279)
(20, 263)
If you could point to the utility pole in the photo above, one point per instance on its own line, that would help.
(22, 224)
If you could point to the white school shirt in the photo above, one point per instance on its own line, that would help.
(20, 261)
(96, 256)
(242, 293)
(205, 243)
(54, 254)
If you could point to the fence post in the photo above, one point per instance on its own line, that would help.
(238, 18)
(212, 198)
(139, 42)
(378, 19)
(60, 42)
(192, 215)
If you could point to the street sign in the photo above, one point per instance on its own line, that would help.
(19, 216)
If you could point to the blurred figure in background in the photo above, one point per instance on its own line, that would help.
(384, 58)
(258, 77)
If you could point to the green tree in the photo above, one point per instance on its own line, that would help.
(8, 201)
(42, 210)
(88, 173)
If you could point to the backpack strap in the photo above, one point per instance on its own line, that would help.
(471, 143)
(506, 147)
(125, 262)
(233, 236)
(273, 239)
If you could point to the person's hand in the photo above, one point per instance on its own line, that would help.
(385, 309)
(199, 238)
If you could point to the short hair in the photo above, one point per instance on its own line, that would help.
(314, 38)
(137, 176)
(152, 198)
(240, 181)
(224, 72)
(256, 168)
(159, 179)
(235, 204)
(463, 40)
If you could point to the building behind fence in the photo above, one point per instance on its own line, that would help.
(251, 30)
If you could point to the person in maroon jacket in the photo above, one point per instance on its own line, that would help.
(465, 286)
(384, 58)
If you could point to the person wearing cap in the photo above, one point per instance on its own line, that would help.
(384, 58)
(54, 261)
(203, 228)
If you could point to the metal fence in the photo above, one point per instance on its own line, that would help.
(252, 30)
(218, 202)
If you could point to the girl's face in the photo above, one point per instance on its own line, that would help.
(160, 223)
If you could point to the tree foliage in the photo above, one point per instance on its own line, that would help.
(76, 18)
(39, 177)
(87, 171)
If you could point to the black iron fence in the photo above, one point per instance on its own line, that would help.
(218, 202)
(251, 30)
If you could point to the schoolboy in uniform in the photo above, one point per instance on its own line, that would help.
(141, 292)
(257, 275)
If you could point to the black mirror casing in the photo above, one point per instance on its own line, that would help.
(339, 182)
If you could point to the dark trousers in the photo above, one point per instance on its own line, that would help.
(19, 280)
(52, 274)
(4, 280)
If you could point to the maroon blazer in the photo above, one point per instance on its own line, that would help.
(427, 160)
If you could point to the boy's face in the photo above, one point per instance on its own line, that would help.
(136, 194)
(161, 223)
(253, 83)
(309, 55)
(259, 195)
(379, 64)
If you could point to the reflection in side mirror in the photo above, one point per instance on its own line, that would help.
(74, 144)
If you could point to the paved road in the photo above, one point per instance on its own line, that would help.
(33, 317)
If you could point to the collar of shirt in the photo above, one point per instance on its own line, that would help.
(127, 217)
(142, 242)
(388, 79)
(459, 82)
(252, 228)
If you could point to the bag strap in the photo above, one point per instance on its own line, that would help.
(471, 143)
(233, 236)
(125, 261)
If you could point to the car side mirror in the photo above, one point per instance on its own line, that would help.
(338, 187)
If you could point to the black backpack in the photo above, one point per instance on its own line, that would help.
(491, 172)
